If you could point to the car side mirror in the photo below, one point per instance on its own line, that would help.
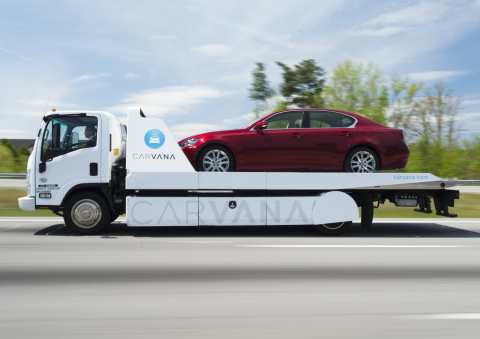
(261, 125)
(56, 136)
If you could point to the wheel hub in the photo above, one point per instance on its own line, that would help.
(216, 161)
(86, 213)
(363, 162)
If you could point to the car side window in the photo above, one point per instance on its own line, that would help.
(325, 119)
(286, 120)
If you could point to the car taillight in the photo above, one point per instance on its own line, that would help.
(398, 133)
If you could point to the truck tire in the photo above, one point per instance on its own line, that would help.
(113, 217)
(361, 160)
(86, 213)
(333, 229)
(215, 159)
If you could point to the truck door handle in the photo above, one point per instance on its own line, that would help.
(344, 134)
(297, 135)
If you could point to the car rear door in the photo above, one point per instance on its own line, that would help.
(280, 145)
(328, 139)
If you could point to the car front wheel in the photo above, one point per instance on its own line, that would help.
(215, 159)
(362, 160)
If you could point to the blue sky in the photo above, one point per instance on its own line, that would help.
(189, 62)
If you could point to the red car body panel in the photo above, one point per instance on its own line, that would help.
(304, 149)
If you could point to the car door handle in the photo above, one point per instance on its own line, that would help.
(297, 135)
(344, 134)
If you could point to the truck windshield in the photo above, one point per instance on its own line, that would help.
(75, 133)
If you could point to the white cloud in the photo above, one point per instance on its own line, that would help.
(186, 130)
(89, 77)
(131, 76)
(471, 102)
(382, 32)
(163, 37)
(167, 100)
(12, 133)
(434, 75)
(418, 14)
(240, 122)
(213, 50)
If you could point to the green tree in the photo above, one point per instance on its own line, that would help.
(8, 160)
(303, 85)
(359, 89)
(260, 91)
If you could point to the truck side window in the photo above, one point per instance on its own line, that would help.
(76, 133)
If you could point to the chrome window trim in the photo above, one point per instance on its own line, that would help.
(279, 129)
(309, 128)
(351, 126)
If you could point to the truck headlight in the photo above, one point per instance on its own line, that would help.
(28, 177)
(189, 142)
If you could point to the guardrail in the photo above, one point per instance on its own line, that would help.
(12, 175)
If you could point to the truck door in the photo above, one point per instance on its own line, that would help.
(68, 155)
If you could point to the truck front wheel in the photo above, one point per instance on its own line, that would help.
(86, 213)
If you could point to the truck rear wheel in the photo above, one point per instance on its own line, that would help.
(86, 213)
(336, 228)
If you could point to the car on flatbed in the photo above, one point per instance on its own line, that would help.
(306, 139)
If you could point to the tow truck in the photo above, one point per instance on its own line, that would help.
(145, 175)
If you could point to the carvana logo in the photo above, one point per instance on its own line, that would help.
(154, 138)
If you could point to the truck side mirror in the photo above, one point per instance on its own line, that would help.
(56, 135)
(75, 138)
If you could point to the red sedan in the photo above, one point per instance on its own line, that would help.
(309, 139)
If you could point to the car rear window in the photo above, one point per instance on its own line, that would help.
(325, 119)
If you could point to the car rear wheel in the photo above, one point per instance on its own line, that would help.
(216, 159)
(362, 160)
(333, 229)
(86, 213)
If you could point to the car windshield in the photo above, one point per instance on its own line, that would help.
(71, 132)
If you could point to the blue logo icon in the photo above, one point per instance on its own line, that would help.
(154, 138)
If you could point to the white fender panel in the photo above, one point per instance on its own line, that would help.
(333, 207)
(162, 211)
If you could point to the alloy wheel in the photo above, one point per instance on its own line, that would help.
(363, 162)
(216, 160)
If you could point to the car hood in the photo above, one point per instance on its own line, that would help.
(207, 134)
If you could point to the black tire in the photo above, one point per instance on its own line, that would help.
(216, 153)
(333, 229)
(113, 217)
(95, 209)
(369, 164)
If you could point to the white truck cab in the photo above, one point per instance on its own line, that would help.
(85, 167)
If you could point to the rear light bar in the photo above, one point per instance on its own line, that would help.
(398, 133)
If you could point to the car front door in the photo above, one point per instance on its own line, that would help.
(280, 145)
(328, 139)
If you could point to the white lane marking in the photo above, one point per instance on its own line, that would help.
(55, 230)
(444, 316)
(201, 242)
(10, 220)
(352, 246)
(9, 228)
(439, 221)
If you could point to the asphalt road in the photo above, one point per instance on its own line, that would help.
(417, 279)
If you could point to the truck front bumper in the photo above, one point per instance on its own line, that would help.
(27, 203)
